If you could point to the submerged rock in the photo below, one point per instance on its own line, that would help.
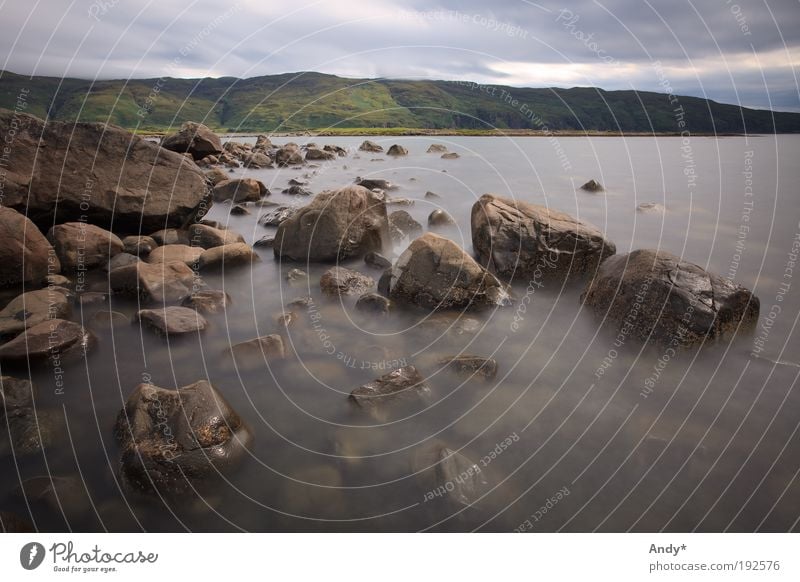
(447, 474)
(654, 295)
(169, 438)
(375, 184)
(25, 254)
(435, 273)
(256, 351)
(172, 321)
(341, 281)
(471, 366)
(29, 430)
(517, 239)
(373, 303)
(195, 139)
(450, 156)
(133, 185)
(15, 393)
(651, 208)
(402, 383)
(336, 225)
(436, 148)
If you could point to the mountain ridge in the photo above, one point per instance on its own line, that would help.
(312, 101)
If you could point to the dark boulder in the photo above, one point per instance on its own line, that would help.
(654, 295)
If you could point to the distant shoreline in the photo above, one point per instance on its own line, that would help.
(406, 132)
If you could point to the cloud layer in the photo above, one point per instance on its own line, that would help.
(739, 51)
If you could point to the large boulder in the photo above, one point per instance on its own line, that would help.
(83, 246)
(435, 273)
(63, 171)
(32, 308)
(654, 295)
(25, 254)
(336, 225)
(169, 438)
(195, 139)
(289, 155)
(240, 190)
(157, 283)
(517, 239)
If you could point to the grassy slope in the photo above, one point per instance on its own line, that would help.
(313, 101)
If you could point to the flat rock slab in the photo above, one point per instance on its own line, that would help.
(402, 383)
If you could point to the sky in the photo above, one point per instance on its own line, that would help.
(735, 51)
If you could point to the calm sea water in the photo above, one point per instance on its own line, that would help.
(712, 446)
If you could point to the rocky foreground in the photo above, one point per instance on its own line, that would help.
(78, 198)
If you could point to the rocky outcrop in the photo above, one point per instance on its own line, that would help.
(172, 321)
(156, 283)
(341, 281)
(336, 225)
(654, 295)
(25, 254)
(435, 273)
(99, 174)
(195, 139)
(83, 246)
(519, 240)
(240, 190)
(170, 438)
(255, 351)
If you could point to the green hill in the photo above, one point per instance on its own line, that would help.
(315, 101)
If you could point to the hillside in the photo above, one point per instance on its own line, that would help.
(315, 101)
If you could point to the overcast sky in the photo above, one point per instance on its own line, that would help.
(742, 51)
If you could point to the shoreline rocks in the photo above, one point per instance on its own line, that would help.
(25, 254)
(195, 139)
